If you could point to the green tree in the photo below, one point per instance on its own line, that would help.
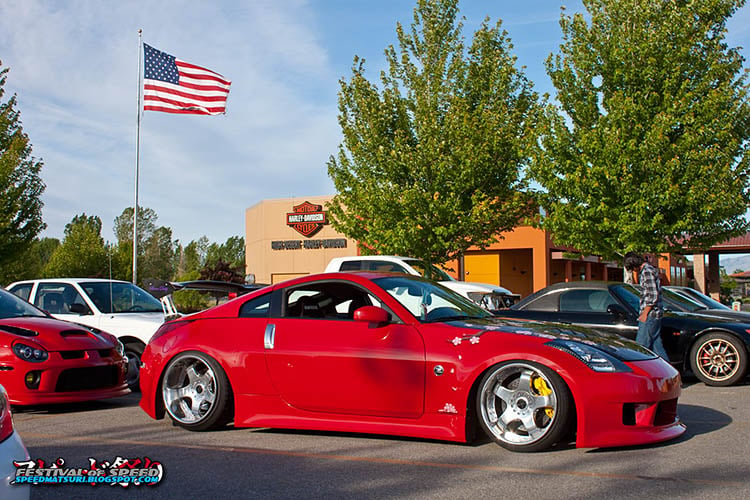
(192, 260)
(31, 263)
(123, 227)
(158, 255)
(231, 252)
(432, 163)
(21, 186)
(646, 148)
(156, 249)
(82, 252)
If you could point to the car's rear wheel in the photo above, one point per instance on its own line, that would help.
(196, 392)
(524, 406)
(133, 352)
(719, 359)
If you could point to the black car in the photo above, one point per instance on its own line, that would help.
(715, 349)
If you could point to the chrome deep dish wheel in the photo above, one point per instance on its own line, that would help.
(719, 359)
(195, 392)
(523, 406)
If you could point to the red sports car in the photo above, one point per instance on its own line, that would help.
(397, 354)
(45, 360)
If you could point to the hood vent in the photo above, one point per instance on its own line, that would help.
(74, 333)
(23, 332)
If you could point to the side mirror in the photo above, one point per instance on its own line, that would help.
(79, 309)
(617, 311)
(372, 314)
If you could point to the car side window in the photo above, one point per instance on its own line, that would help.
(56, 298)
(258, 307)
(330, 300)
(351, 265)
(23, 291)
(585, 301)
(547, 302)
(384, 266)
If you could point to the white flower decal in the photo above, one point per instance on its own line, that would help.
(474, 340)
(456, 341)
(448, 408)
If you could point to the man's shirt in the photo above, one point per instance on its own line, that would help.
(648, 278)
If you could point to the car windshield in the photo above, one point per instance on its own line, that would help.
(681, 302)
(703, 299)
(428, 271)
(672, 301)
(14, 307)
(120, 297)
(429, 301)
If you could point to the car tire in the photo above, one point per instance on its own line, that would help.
(719, 359)
(196, 392)
(524, 406)
(134, 351)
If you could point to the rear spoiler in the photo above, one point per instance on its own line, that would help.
(163, 291)
(161, 288)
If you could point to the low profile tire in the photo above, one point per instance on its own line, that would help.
(524, 406)
(134, 351)
(196, 392)
(719, 359)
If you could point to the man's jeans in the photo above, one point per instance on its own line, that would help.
(649, 335)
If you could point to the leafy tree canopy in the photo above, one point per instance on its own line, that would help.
(21, 186)
(646, 148)
(432, 161)
(82, 253)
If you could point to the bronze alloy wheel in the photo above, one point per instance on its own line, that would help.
(719, 359)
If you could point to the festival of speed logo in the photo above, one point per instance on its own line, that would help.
(118, 472)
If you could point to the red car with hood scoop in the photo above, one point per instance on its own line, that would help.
(398, 354)
(45, 360)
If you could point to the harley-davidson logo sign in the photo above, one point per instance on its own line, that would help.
(307, 219)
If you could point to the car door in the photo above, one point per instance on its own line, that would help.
(321, 360)
(596, 308)
(58, 298)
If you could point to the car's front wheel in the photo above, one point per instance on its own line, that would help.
(524, 406)
(196, 392)
(719, 359)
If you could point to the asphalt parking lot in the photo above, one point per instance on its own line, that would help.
(711, 460)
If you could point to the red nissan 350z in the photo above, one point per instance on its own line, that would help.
(398, 354)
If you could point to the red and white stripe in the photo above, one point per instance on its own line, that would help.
(201, 91)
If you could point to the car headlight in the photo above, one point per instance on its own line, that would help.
(594, 358)
(28, 353)
(119, 347)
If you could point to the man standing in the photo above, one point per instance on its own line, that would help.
(650, 314)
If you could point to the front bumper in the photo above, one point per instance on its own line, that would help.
(65, 380)
(628, 409)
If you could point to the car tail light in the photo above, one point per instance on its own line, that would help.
(6, 421)
(166, 328)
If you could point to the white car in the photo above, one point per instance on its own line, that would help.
(117, 307)
(11, 448)
(490, 297)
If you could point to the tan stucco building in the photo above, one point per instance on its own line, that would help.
(291, 237)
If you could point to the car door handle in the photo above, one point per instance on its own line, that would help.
(270, 335)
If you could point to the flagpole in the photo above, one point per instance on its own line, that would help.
(137, 162)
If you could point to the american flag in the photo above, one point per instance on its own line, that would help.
(174, 86)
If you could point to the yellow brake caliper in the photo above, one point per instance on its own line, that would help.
(543, 389)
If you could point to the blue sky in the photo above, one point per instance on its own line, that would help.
(74, 68)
